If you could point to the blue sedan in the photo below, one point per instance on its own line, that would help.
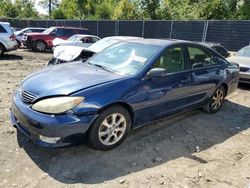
(126, 86)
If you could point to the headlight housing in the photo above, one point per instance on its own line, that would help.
(57, 105)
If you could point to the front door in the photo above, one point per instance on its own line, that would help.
(169, 93)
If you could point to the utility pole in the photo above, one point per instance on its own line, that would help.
(49, 9)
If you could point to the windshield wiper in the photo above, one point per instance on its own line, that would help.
(102, 66)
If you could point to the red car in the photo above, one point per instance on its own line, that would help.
(42, 41)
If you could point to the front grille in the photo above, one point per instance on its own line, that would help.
(27, 96)
(244, 69)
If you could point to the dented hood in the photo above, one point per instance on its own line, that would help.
(69, 53)
(66, 78)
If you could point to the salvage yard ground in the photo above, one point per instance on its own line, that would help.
(192, 149)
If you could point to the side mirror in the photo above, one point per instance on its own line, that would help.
(157, 72)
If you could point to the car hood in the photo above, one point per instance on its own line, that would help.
(242, 61)
(58, 41)
(65, 79)
(69, 53)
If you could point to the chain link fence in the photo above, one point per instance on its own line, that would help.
(231, 34)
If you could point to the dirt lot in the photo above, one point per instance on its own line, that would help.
(192, 149)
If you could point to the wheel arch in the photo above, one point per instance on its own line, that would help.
(225, 87)
(124, 105)
(3, 46)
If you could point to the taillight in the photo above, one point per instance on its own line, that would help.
(13, 37)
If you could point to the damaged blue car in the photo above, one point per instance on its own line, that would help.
(128, 85)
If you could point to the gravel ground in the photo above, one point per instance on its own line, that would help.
(191, 149)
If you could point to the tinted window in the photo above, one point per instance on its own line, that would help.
(2, 30)
(86, 40)
(69, 32)
(59, 32)
(172, 60)
(37, 30)
(82, 31)
(199, 58)
(221, 50)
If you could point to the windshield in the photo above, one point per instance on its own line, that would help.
(74, 38)
(124, 58)
(244, 52)
(102, 44)
(49, 30)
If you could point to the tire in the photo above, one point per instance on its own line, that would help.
(215, 102)
(112, 121)
(18, 43)
(2, 50)
(40, 46)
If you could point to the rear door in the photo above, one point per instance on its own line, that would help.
(206, 72)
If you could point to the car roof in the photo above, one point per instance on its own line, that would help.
(63, 27)
(5, 23)
(160, 42)
(82, 35)
(123, 37)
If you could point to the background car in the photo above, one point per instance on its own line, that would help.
(42, 41)
(218, 48)
(7, 38)
(242, 57)
(124, 87)
(76, 40)
(19, 34)
(64, 54)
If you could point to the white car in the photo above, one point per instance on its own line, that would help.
(7, 38)
(19, 34)
(68, 53)
(76, 40)
(242, 57)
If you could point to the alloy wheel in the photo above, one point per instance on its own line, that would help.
(112, 129)
(40, 46)
(217, 99)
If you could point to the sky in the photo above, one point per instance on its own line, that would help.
(39, 8)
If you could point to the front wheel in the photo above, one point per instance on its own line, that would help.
(40, 46)
(110, 128)
(2, 50)
(215, 102)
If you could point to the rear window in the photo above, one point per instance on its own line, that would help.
(2, 30)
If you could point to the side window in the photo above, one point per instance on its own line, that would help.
(221, 51)
(199, 58)
(2, 30)
(83, 31)
(69, 32)
(27, 31)
(86, 40)
(94, 39)
(59, 32)
(172, 60)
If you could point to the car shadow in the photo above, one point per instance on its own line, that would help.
(48, 51)
(11, 57)
(181, 135)
(244, 86)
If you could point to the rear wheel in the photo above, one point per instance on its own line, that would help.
(40, 46)
(2, 50)
(215, 102)
(110, 128)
